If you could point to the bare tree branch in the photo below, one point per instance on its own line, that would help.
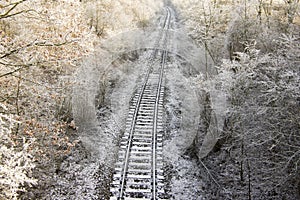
(15, 50)
(14, 5)
(16, 70)
(37, 43)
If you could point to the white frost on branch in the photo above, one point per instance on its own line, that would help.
(15, 165)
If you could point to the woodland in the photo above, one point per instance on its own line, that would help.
(255, 47)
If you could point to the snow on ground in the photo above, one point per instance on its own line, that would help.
(86, 173)
(182, 120)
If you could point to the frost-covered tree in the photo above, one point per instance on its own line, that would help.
(292, 8)
(41, 44)
(256, 155)
(16, 162)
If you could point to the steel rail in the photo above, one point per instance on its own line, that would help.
(154, 147)
(131, 134)
(137, 107)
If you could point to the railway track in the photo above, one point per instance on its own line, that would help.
(139, 169)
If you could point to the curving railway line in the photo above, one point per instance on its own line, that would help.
(139, 169)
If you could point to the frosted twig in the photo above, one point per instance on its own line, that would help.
(210, 173)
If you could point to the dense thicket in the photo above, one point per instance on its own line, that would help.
(41, 44)
(255, 45)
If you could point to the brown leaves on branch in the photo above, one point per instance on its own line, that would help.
(41, 44)
(22, 66)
